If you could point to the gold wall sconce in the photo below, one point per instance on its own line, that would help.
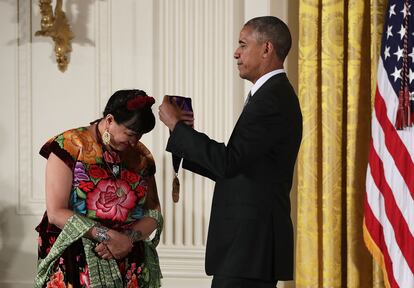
(56, 25)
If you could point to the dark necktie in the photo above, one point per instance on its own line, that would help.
(249, 96)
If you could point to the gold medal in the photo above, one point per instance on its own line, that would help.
(176, 189)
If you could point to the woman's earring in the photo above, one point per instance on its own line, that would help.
(106, 137)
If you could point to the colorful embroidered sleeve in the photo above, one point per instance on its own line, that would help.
(70, 144)
(62, 148)
(147, 163)
(140, 160)
(140, 167)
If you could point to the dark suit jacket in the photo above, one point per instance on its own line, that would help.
(250, 231)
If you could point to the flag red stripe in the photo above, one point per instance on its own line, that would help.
(394, 144)
(403, 235)
(377, 234)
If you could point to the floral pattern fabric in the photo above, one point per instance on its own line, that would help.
(109, 188)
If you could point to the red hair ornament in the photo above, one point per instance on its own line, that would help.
(139, 102)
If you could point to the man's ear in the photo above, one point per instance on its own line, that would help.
(269, 49)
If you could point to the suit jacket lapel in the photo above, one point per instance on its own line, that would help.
(271, 81)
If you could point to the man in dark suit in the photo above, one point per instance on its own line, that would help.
(250, 238)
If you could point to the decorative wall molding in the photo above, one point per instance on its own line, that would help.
(182, 262)
(103, 33)
(195, 41)
(30, 202)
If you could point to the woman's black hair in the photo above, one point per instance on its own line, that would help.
(138, 118)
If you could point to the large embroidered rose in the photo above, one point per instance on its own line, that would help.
(97, 172)
(129, 176)
(112, 200)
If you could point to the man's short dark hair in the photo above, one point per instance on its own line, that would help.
(270, 28)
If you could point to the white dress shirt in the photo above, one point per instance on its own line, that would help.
(263, 80)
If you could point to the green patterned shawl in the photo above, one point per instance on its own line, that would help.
(102, 273)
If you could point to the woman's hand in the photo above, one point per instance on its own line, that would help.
(102, 250)
(119, 244)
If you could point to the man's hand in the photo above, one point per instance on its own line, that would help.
(170, 114)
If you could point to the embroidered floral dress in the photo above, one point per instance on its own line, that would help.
(106, 188)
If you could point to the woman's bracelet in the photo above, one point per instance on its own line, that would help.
(134, 235)
(101, 233)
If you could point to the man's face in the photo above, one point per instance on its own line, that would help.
(249, 55)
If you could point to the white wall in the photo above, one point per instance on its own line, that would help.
(182, 47)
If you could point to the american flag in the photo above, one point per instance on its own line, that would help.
(389, 202)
